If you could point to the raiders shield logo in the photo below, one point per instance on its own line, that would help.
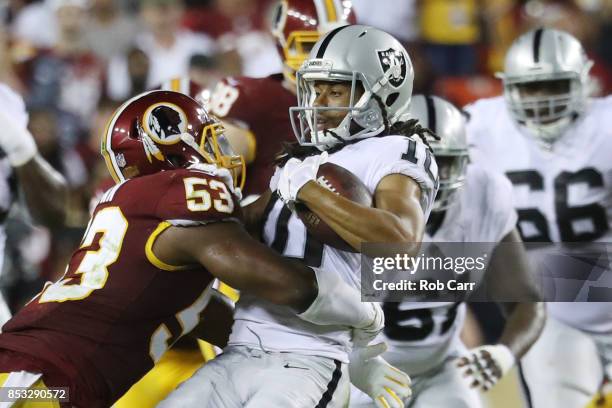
(164, 123)
(396, 62)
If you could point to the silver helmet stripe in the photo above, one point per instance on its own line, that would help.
(431, 113)
(537, 41)
(327, 39)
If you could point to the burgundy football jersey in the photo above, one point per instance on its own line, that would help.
(262, 104)
(118, 308)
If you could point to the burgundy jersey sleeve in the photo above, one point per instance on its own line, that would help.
(195, 197)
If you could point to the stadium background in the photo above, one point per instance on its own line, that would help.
(73, 61)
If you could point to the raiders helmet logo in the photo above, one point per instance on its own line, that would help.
(395, 61)
(164, 122)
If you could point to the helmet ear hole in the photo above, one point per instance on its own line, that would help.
(391, 99)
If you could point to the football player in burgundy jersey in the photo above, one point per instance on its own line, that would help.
(145, 270)
(258, 108)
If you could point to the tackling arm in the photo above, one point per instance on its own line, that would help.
(45, 191)
(227, 251)
(396, 217)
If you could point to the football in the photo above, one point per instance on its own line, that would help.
(342, 182)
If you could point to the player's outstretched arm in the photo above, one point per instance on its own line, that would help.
(228, 252)
(45, 191)
(396, 216)
(507, 276)
(44, 188)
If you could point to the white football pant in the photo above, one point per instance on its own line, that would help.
(245, 377)
(563, 368)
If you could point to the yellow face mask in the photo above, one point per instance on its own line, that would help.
(216, 149)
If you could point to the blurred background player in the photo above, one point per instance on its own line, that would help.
(256, 110)
(472, 205)
(172, 222)
(345, 122)
(554, 145)
(23, 169)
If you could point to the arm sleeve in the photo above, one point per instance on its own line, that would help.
(408, 156)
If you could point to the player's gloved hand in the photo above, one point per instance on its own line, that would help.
(296, 173)
(484, 366)
(224, 174)
(16, 141)
(362, 336)
(385, 384)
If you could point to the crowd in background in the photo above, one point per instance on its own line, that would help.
(75, 61)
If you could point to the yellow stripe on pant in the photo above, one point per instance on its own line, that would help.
(174, 367)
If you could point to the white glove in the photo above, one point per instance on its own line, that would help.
(385, 384)
(484, 366)
(16, 141)
(224, 174)
(296, 173)
(362, 336)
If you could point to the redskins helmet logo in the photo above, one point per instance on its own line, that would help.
(164, 123)
(394, 61)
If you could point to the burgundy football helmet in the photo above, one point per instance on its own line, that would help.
(164, 130)
(298, 25)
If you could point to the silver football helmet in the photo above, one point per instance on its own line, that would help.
(359, 55)
(546, 81)
(451, 151)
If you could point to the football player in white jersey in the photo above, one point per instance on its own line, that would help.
(554, 144)
(350, 100)
(423, 338)
(44, 189)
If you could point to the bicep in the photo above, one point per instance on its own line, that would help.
(400, 195)
(228, 252)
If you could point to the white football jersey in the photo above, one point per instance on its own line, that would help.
(262, 325)
(562, 194)
(420, 336)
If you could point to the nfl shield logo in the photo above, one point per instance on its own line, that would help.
(395, 61)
